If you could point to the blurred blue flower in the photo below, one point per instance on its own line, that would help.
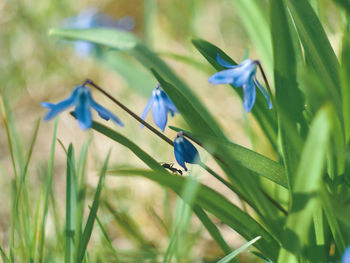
(242, 75)
(162, 104)
(346, 256)
(90, 17)
(82, 100)
(185, 151)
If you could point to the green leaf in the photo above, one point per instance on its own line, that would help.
(92, 215)
(5, 259)
(318, 50)
(285, 74)
(260, 111)
(233, 254)
(70, 205)
(216, 204)
(212, 229)
(286, 87)
(104, 36)
(48, 189)
(115, 136)
(127, 42)
(249, 159)
(345, 80)
(307, 184)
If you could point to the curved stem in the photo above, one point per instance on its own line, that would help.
(135, 116)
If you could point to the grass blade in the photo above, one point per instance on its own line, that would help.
(92, 215)
(48, 189)
(233, 254)
(307, 184)
(70, 205)
(212, 229)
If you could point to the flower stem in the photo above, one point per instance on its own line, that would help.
(130, 112)
(159, 134)
(264, 77)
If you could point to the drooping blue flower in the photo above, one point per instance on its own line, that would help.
(89, 18)
(82, 100)
(162, 104)
(184, 151)
(242, 75)
(346, 256)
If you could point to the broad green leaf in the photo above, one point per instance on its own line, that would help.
(345, 80)
(82, 246)
(288, 96)
(233, 254)
(253, 161)
(217, 205)
(307, 184)
(127, 42)
(103, 36)
(318, 50)
(260, 111)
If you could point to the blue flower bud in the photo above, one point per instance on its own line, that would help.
(184, 151)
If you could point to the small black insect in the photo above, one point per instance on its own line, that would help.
(171, 168)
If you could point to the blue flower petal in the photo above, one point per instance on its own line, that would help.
(148, 107)
(223, 77)
(169, 104)
(223, 62)
(264, 92)
(160, 114)
(55, 109)
(104, 113)
(346, 256)
(83, 112)
(249, 95)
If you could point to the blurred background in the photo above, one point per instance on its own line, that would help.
(35, 67)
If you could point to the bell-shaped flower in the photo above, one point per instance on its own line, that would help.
(184, 151)
(346, 256)
(161, 104)
(242, 75)
(89, 18)
(82, 100)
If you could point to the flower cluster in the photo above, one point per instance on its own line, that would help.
(242, 75)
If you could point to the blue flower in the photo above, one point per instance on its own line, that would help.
(346, 256)
(82, 100)
(185, 151)
(90, 17)
(162, 104)
(242, 75)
